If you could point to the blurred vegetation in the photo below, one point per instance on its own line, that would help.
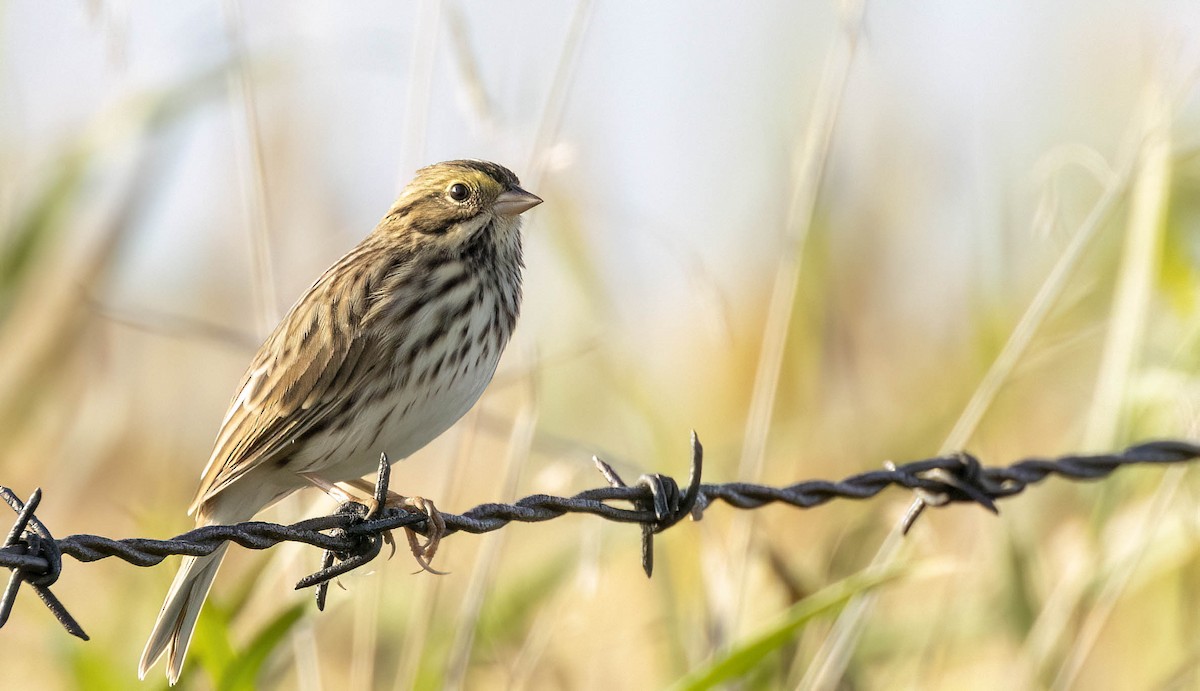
(1065, 318)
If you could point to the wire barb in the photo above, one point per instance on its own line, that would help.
(42, 565)
(354, 535)
(665, 501)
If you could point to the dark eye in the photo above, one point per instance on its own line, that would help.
(459, 192)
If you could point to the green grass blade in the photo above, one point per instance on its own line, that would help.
(744, 658)
(242, 673)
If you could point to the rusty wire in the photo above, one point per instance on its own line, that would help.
(353, 536)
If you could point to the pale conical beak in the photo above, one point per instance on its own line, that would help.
(515, 201)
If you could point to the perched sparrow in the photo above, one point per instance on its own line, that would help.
(391, 345)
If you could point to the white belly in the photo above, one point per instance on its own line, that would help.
(412, 416)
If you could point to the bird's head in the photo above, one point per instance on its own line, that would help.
(448, 203)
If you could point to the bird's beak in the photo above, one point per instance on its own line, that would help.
(515, 201)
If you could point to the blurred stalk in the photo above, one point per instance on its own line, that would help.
(1136, 276)
(458, 660)
(253, 173)
(420, 79)
(1115, 580)
(1047, 297)
(832, 659)
(1127, 323)
(1149, 195)
(364, 641)
(470, 79)
(568, 238)
(807, 174)
(425, 593)
(550, 123)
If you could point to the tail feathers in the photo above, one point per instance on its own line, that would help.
(177, 621)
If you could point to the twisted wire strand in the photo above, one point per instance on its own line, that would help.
(353, 536)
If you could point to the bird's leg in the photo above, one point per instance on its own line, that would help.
(422, 552)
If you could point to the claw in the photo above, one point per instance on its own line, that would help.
(424, 553)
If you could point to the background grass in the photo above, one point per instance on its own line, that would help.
(823, 235)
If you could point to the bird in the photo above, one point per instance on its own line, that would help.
(385, 351)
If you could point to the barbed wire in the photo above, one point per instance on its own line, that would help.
(355, 534)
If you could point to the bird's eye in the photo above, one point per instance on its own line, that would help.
(459, 192)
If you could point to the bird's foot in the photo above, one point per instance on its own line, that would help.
(422, 550)
(376, 498)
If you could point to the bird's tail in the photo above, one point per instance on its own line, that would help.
(177, 621)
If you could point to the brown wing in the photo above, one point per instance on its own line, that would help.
(296, 379)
